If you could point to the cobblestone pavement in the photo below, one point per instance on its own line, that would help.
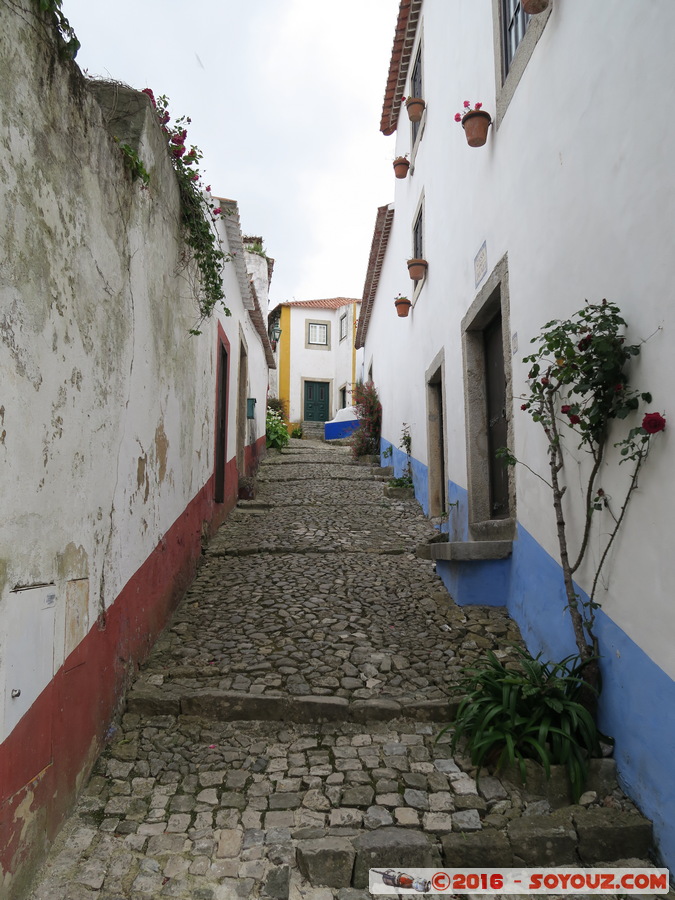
(312, 605)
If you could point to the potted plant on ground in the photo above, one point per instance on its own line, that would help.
(402, 305)
(415, 107)
(534, 7)
(417, 269)
(401, 166)
(475, 122)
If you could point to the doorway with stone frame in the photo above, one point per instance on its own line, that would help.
(436, 452)
(488, 392)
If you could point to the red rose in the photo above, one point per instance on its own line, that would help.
(150, 95)
(653, 423)
(458, 117)
(525, 406)
(544, 381)
(617, 388)
(217, 211)
(565, 409)
(584, 343)
(478, 105)
(466, 104)
(574, 420)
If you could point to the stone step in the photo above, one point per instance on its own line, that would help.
(313, 430)
(572, 836)
(231, 706)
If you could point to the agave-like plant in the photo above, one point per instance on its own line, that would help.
(529, 711)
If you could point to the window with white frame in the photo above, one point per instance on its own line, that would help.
(343, 327)
(317, 334)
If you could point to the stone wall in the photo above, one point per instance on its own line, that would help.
(107, 409)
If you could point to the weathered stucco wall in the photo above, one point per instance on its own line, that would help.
(107, 419)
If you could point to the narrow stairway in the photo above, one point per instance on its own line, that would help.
(282, 738)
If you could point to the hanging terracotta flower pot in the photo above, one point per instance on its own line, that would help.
(534, 7)
(475, 124)
(417, 269)
(415, 107)
(402, 305)
(401, 166)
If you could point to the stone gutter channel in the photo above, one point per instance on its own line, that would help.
(283, 736)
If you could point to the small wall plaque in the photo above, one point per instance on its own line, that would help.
(480, 264)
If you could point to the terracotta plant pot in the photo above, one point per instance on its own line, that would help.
(534, 7)
(415, 107)
(417, 269)
(402, 306)
(401, 166)
(475, 124)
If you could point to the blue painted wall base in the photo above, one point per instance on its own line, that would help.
(332, 431)
(637, 704)
(477, 583)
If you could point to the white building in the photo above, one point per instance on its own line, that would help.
(316, 358)
(572, 197)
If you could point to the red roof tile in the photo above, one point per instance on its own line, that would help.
(331, 303)
(383, 222)
(404, 40)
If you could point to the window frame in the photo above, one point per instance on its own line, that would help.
(416, 90)
(417, 234)
(506, 82)
(320, 323)
(343, 331)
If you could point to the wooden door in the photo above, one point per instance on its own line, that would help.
(221, 427)
(316, 401)
(495, 381)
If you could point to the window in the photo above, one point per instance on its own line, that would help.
(514, 26)
(515, 36)
(343, 327)
(318, 334)
(418, 236)
(416, 89)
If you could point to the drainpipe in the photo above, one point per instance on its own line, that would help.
(353, 346)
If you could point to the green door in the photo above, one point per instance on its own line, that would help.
(316, 401)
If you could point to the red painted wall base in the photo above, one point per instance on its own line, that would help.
(67, 723)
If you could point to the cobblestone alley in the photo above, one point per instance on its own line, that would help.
(281, 739)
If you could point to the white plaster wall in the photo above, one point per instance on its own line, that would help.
(107, 403)
(576, 187)
(309, 363)
(344, 353)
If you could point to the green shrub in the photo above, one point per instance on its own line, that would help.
(278, 406)
(530, 711)
(276, 431)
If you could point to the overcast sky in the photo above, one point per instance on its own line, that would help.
(285, 98)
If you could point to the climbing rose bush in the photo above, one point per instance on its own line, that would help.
(578, 384)
(366, 439)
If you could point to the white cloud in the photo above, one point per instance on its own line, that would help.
(285, 98)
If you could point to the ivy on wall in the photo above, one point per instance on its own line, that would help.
(70, 44)
(199, 215)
